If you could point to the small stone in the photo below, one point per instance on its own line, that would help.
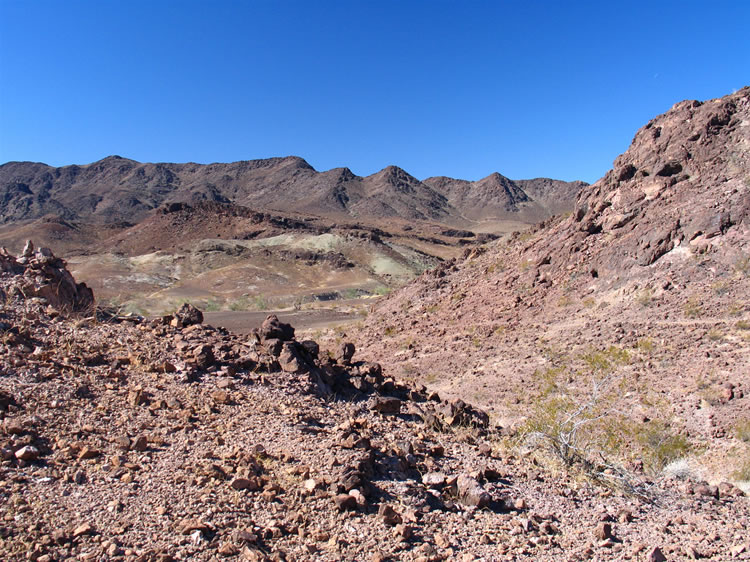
(520, 504)
(27, 453)
(251, 484)
(358, 496)
(88, 453)
(345, 502)
(228, 549)
(140, 443)
(434, 479)
(83, 529)
(471, 493)
(196, 537)
(404, 532)
(604, 531)
(187, 315)
(389, 515)
(441, 541)
(220, 396)
(13, 426)
(656, 555)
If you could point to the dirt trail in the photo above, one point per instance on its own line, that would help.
(243, 322)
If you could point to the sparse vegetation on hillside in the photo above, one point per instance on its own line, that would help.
(585, 427)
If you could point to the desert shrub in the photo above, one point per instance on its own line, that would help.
(351, 293)
(646, 345)
(211, 305)
(742, 265)
(587, 429)
(693, 308)
(742, 430)
(721, 287)
(644, 297)
(658, 446)
(577, 430)
(742, 325)
(260, 303)
(743, 470)
(242, 303)
(714, 334)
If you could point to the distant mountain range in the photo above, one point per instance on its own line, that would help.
(117, 189)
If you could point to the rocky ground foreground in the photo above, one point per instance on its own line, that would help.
(168, 439)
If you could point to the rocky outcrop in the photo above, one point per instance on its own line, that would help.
(682, 183)
(39, 274)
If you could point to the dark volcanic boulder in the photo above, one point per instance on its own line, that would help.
(188, 315)
(273, 328)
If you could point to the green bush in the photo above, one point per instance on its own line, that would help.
(659, 446)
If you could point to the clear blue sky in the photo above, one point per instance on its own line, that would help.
(464, 88)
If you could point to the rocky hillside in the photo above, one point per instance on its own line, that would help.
(648, 277)
(117, 189)
(169, 439)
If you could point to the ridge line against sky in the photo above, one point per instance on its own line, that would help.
(542, 89)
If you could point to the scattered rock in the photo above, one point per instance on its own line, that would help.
(187, 315)
(272, 328)
(471, 493)
(389, 515)
(604, 531)
(655, 555)
(345, 502)
(27, 453)
(385, 405)
(83, 529)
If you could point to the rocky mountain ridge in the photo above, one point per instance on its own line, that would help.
(118, 189)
